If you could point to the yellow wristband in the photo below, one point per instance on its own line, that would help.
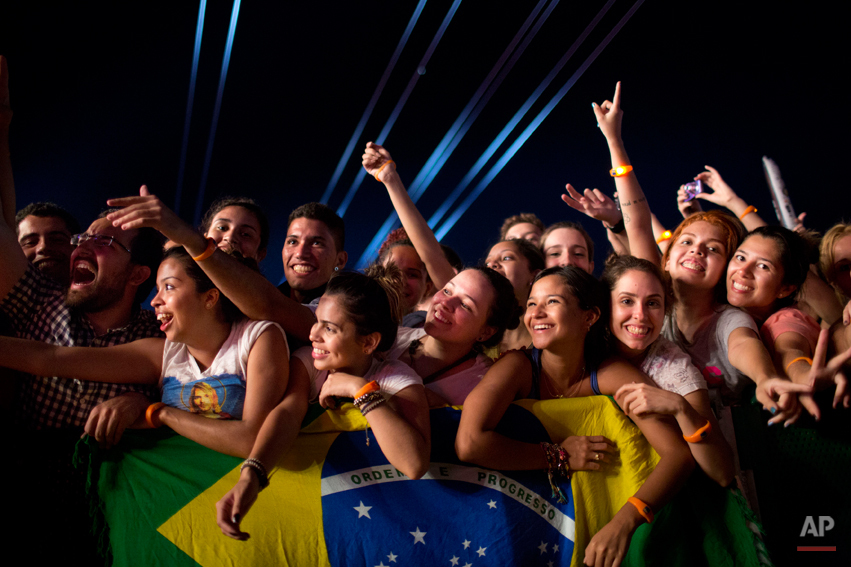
(380, 169)
(749, 210)
(642, 508)
(804, 358)
(369, 387)
(151, 413)
(620, 170)
(211, 247)
(700, 434)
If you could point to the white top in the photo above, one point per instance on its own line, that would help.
(671, 369)
(224, 379)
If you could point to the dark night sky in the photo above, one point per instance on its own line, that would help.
(99, 93)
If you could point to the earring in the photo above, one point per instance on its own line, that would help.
(336, 268)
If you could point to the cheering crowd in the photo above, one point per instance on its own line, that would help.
(681, 325)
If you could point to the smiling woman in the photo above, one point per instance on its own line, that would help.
(209, 349)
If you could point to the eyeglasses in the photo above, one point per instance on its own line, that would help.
(99, 240)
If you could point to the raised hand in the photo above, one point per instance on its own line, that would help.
(593, 203)
(588, 453)
(687, 208)
(147, 210)
(609, 115)
(722, 193)
(375, 158)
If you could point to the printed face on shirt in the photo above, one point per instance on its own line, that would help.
(336, 344)
(310, 254)
(842, 264)
(46, 242)
(755, 276)
(508, 261)
(236, 228)
(567, 247)
(553, 315)
(407, 259)
(525, 230)
(178, 305)
(459, 312)
(638, 311)
(699, 256)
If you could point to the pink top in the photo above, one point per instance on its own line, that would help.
(790, 320)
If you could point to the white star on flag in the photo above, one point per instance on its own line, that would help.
(481, 551)
(363, 510)
(454, 560)
(392, 558)
(418, 536)
(468, 565)
(466, 543)
(381, 564)
(555, 548)
(492, 504)
(543, 548)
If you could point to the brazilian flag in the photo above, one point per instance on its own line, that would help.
(334, 500)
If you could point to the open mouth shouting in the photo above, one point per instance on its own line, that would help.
(83, 274)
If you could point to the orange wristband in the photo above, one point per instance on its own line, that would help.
(749, 210)
(380, 169)
(211, 247)
(369, 387)
(700, 434)
(620, 170)
(151, 412)
(642, 508)
(804, 358)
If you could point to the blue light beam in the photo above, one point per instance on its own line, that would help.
(530, 129)
(401, 103)
(190, 99)
(462, 124)
(350, 148)
(515, 120)
(199, 203)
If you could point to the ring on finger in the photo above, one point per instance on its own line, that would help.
(596, 456)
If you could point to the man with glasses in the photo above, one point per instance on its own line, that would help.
(111, 272)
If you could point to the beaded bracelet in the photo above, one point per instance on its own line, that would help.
(151, 413)
(642, 508)
(700, 434)
(258, 469)
(365, 409)
(211, 247)
(557, 465)
(749, 210)
(367, 399)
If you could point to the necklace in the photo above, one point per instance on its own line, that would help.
(574, 384)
